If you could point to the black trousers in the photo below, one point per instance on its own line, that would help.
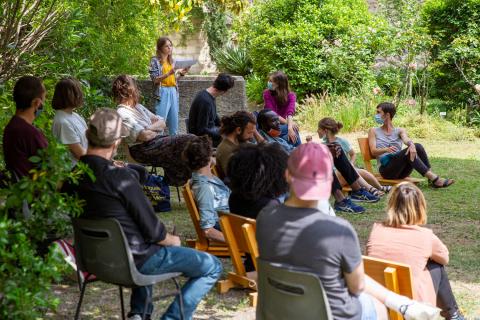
(445, 298)
(400, 166)
(346, 169)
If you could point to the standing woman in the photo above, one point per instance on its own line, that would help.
(162, 73)
(279, 98)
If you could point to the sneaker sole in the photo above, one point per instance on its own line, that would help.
(349, 211)
(364, 200)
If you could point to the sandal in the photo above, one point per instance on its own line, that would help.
(376, 192)
(386, 189)
(447, 182)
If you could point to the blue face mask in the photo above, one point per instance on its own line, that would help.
(378, 119)
(38, 112)
(270, 85)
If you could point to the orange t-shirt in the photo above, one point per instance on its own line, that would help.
(412, 245)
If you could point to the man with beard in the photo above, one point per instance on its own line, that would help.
(236, 129)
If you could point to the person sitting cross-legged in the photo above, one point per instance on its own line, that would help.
(269, 124)
(116, 193)
(401, 238)
(299, 234)
(210, 193)
(386, 145)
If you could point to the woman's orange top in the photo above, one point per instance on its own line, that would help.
(412, 245)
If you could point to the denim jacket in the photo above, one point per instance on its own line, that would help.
(269, 139)
(211, 195)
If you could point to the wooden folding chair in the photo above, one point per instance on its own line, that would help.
(367, 160)
(201, 243)
(394, 276)
(239, 233)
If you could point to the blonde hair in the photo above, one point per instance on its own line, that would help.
(406, 206)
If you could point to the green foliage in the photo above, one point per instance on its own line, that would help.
(255, 86)
(321, 45)
(215, 26)
(233, 59)
(25, 278)
(454, 26)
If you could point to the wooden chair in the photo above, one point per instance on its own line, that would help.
(394, 276)
(201, 243)
(239, 233)
(368, 157)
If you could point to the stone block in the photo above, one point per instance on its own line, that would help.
(235, 99)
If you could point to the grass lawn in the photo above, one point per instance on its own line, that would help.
(453, 213)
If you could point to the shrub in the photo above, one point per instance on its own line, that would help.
(233, 59)
(454, 28)
(255, 85)
(322, 45)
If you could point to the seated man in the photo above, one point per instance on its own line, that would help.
(21, 140)
(269, 124)
(326, 245)
(236, 129)
(203, 118)
(210, 193)
(386, 145)
(116, 193)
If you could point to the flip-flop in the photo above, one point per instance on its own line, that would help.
(446, 183)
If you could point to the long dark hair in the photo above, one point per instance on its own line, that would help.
(283, 88)
(257, 171)
(160, 43)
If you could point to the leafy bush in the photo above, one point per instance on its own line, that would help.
(255, 85)
(454, 28)
(233, 59)
(322, 45)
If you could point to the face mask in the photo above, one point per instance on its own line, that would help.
(274, 133)
(270, 85)
(378, 119)
(38, 112)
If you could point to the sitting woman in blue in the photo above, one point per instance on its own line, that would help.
(210, 193)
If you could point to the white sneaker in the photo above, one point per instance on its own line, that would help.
(420, 311)
(135, 317)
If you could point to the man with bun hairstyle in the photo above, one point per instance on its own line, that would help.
(297, 233)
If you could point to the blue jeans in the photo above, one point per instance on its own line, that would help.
(202, 269)
(167, 108)
(368, 307)
(284, 136)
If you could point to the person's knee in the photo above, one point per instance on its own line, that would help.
(215, 266)
(418, 146)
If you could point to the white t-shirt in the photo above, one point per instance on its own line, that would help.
(135, 119)
(69, 128)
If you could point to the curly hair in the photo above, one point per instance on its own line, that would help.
(257, 171)
(330, 124)
(124, 87)
(239, 119)
(197, 152)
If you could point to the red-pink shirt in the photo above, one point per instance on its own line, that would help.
(283, 111)
(21, 140)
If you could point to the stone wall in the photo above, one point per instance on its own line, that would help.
(235, 99)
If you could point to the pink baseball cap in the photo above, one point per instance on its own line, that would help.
(311, 170)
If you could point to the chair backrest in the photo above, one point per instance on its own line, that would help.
(239, 233)
(284, 292)
(395, 276)
(366, 153)
(102, 249)
(202, 241)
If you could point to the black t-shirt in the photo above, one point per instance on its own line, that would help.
(248, 208)
(116, 193)
(21, 141)
(314, 241)
(203, 118)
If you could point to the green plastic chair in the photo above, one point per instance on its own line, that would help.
(102, 250)
(284, 292)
